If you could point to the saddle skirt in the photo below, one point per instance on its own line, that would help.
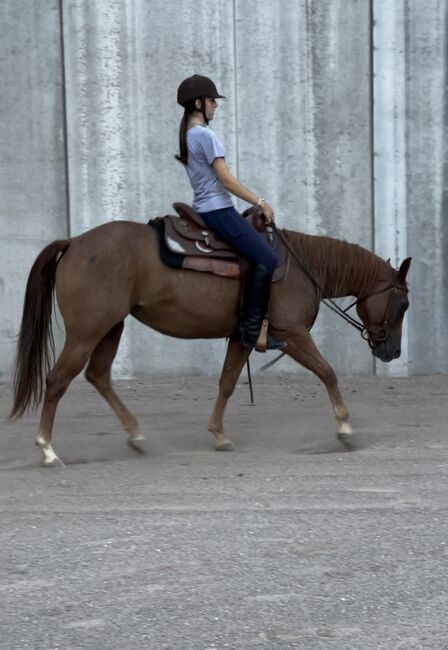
(201, 249)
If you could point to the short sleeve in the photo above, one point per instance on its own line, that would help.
(212, 146)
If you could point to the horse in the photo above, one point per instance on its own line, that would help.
(115, 269)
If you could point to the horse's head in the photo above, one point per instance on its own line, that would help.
(382, 311)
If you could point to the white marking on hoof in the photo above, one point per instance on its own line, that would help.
(226, 445)
(137, 437)
(136, 442)
(345, 428)
(50, 458)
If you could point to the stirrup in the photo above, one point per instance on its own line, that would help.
(272, 344)
(266, 341)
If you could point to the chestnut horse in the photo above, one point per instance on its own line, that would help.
(114, 270)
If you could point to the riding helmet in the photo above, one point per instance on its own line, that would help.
(196, 86)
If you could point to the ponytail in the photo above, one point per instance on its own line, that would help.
(182, 156)
(190, 107)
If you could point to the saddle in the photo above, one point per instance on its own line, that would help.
(200, 249)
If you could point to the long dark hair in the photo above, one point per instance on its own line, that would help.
(189, 107)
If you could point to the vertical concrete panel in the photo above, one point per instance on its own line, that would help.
(32, 165)
(427, 182)
(410, 157)
(304, 132)
(124, 61)
(389, 102)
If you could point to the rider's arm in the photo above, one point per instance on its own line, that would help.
(233, 185)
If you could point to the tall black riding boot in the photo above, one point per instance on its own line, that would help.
(255, 305)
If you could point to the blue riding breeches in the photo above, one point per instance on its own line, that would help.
(236, 231)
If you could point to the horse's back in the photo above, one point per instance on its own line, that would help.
(101, 245)
(113, 234)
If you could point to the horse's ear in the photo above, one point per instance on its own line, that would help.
(404, 268)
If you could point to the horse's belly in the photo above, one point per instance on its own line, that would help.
(191, 315)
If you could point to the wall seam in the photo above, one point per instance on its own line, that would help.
(64, 116)
(235, 91)
(372, 132)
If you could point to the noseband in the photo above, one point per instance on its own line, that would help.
(379, 335)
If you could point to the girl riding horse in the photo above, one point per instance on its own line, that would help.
(203, 157)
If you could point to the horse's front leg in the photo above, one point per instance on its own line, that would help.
(301, 347)
(236, 357)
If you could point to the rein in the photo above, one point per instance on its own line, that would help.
(331, 304)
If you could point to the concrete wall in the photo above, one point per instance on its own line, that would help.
(33, 196)
(335, 149)
(410, 163)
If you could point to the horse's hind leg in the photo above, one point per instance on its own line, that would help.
(71, 361)
(235, 359)
(301, 347)
(98, 373)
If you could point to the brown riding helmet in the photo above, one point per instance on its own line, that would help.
(196, 86)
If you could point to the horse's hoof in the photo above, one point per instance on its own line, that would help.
(136, 442)
(52, 462)
(225, 446)
(349, 440)
(345, 428)
(50, 459)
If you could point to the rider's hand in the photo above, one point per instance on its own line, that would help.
(268, 212)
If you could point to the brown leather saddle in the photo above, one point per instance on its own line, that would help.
(202, 250)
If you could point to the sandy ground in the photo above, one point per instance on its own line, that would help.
(291, 541)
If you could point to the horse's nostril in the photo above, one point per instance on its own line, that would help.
(397, 354)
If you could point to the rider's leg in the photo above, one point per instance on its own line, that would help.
(234, 229)
(255, 307)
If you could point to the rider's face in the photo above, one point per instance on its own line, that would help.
(210, 107)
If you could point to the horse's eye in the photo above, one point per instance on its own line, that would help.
(404, 306)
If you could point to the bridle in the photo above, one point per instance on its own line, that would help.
(373, 337)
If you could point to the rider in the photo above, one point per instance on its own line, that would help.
(203, 156)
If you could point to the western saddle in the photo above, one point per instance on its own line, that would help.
(202, 250)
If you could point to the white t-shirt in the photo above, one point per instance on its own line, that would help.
(203, 147)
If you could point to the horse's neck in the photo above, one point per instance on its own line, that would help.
(339, 268)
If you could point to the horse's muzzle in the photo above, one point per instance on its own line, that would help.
(386, 351)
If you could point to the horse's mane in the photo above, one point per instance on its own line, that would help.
(338, 265)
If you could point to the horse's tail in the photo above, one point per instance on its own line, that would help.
(35, 348)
